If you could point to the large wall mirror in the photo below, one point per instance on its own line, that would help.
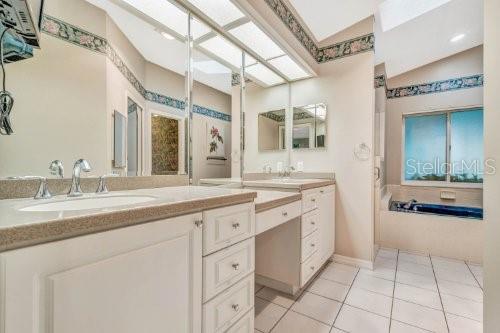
(309, 126)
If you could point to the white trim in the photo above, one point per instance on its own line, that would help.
(423, 183)
(140, 130)
(361, 263)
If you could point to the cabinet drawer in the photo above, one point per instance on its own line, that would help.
(310, 244)
(310, 222)
(244, 325)
(227, 308)
(310, 199)
(273, 217)
(225, 226)
(309, 268)
(225, 267)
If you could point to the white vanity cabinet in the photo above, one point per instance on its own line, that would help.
(289, 254)
(143, 278)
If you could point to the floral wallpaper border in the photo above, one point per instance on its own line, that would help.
(77, 36)
(379, 81)
(336, 51)
(465, 82)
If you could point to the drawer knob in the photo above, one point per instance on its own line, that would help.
(313, 223)
(285, 214)
(236, 307)
(236, 225)
(198, 223)
(313, 200)
(312, 268)
(322, 191)
(313, 245)
(236, 266)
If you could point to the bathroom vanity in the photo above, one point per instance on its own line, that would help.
(181, 262)
(177, 259)
(296, 239)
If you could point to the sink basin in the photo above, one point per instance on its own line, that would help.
(294, 180)
(87, 203)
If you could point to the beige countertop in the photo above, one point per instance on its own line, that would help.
(21, 228)
(290, 183)
(268, 199)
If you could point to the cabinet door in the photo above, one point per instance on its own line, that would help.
(144, 278)
(326, 209)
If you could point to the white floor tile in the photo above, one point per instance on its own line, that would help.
(355, 320)
(339, 273)
(370, 301)
(415, 268)
(414, 258)
(317, 307)
(381, 262)
(418, 295)
(463, 307)
(416, 280)
(461, 290)
(336, 330)
(387, 253)
(463, 325)
(329, 289)
(380, 272)
(294, 322)
(258, 287)
(398, 327)
(375, 284)
(418, 315)
(476, 269)
(267, 315)
(276, 297)
(455, 266)
(465, 277)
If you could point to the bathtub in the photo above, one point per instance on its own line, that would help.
(440, 230)
(444, 210)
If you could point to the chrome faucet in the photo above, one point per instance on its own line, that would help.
(409, 203)
(286, 172)
(43, 188)
(56, 168)
(80, 165)
(102, 187)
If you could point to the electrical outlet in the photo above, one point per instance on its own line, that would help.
(279, 166)
(300, 166)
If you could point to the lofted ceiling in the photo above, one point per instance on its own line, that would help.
(408, 33)
(428, 37)
(325, 18)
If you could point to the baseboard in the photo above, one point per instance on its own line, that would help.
(276, 285)
(353, 261)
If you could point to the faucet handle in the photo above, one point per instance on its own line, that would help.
(102, 188)
(56, 168)
(43, 188)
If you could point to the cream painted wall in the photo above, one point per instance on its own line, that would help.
(492, 150)
(466, 63)
(60, 101)
(346, 86)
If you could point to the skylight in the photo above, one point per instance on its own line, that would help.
(264, 74)
(253, 37)
(221, 11)
(289, 68)
(396, 12)
(168, 15)
(226, 51)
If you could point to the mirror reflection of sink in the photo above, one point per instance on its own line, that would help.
(87, 203)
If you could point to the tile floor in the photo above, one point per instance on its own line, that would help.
(404, 293)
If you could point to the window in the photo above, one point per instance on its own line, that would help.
(444, 147)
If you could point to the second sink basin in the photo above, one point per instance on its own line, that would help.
(88, 203)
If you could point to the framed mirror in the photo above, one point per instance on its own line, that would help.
(309, 126)
(272, 130)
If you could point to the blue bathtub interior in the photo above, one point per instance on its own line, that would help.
(425, 208)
